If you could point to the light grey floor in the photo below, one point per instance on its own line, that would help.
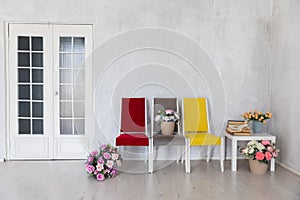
(42, 180)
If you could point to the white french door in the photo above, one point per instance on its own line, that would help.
(50, 91)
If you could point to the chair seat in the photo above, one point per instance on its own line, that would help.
(160, 139)
(203, 139)
(132, 139)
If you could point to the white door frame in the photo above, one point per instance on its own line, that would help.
(7, 142)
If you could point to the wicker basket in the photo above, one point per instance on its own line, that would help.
(257, 167)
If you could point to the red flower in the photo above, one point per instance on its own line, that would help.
(265, 142)
(268, 155)
(259, 155)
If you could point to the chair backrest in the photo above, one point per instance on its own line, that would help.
(161, 104)
(195, 118)
(133, 115)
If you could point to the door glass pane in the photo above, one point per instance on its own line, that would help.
(23, 43)
(23, 75)
(24, 126)
(37, 109)
(37, 44)
(65, 60)
(71, 79)
(24, 109)
(66, 76)
(37, 75)
(65, 92)
(37, 126)
(78, 92)
(37, 59)
(66, 127)
(29, 93)
(79, 44)
(65, 44)
(23, 59)
(24, 92)
(37, 92)
(78, 76)
(78, 109)
(78, 60)
(79, 127)
(66, 109)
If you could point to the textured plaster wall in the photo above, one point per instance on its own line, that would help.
(235, 35)
(285, 93)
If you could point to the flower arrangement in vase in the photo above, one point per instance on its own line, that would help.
(167, 118)
(103, 163)
(260, 151)
(257, 118)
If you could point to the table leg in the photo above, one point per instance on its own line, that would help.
(233, 154)
(272, 166)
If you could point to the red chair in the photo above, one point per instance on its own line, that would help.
(133, 123)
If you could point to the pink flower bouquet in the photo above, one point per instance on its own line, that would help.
(263, 151)
(103, 163)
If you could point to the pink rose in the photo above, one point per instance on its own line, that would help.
(95, 172)
(169, 111)
(94, 153)
(265, 142)
(114, 156)
(270, 148)
(268, 155)
(100, 177)
(106, 155)
(90, 168)
(90, 159)
(103, 146)
(259, 155)
(100, 161)
(275, 154)
(110, 163)
(114, 172)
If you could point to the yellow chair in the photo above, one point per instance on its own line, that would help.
(196, 128)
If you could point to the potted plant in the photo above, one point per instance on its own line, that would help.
(167, 118)
(257, 118)
(260, 154)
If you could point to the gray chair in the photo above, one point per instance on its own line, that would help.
(158, 139)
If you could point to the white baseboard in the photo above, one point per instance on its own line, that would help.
(288, 168)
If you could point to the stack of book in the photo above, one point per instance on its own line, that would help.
(238, 127)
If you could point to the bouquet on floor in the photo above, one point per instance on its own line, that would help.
(263, 151)
(103, 162)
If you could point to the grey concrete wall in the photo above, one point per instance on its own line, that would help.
(285, 93)
(234, 34)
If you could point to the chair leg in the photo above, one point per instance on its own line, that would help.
(208, 153)
(182, 153)
(222, 150)
(150, 148)
(187, 156)
(178, 154)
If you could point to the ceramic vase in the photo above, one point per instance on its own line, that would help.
(257, 126)
(167, 128)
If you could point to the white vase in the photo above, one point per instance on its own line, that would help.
(167, 128)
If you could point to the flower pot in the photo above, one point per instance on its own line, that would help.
(257, 167)
(167, 128)
(257, 126)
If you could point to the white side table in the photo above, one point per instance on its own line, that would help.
(253, 136)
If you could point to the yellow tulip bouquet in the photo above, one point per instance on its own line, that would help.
(258, 116)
